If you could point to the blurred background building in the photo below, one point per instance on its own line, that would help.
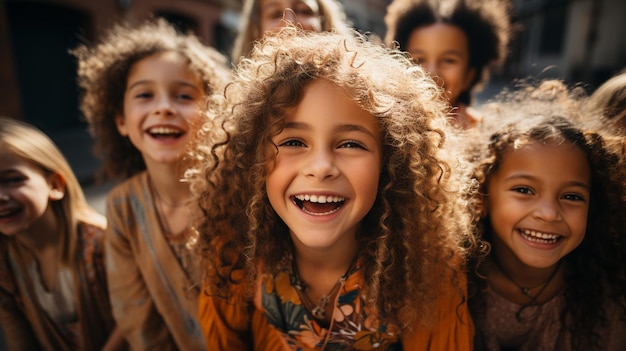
(576, 40)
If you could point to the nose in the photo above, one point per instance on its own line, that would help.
(320, 164)
(164, 106)
(547, 210)
(4, 197)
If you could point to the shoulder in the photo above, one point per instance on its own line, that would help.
(132, 185)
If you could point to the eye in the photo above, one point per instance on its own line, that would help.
(12, 180)
(185, 96)
(523, 190)
(291, 143)
(143, 95)
(352, 144)
(573, 197)
(304, 10)
(450, 60)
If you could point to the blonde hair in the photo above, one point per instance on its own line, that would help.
(32, 145)
(331, 14)
(411, 235)
(609, 100)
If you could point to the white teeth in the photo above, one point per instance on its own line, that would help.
(164, 130)
(322, 199)
(540, 237)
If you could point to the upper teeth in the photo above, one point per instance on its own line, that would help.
(164, 130)
(322, 199)
(540, 234)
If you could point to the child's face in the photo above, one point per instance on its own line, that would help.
(443, 51)
(162, 99)
(538, 202)
(306, 13)
(325, 176)
(25, 191)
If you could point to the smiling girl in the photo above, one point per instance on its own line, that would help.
(326, 181)
(551, 209)
(53, 284)
(456, 41)
(145, 88)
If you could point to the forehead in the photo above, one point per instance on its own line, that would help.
(552, 161)
(167, 61)
(9, 161)
(438, 38)
(265, 4)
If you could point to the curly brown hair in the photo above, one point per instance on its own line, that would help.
(596, 270)
(103, 71)
(485, 22)
(412, 234)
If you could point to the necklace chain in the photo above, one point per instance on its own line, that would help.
(318, 311)
(524, 289)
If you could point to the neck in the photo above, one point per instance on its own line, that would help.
(168, 188)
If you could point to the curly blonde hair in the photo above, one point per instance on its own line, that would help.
(332, 16)
(412, 234)
(486, 23)
(550, 113)
(103, 71)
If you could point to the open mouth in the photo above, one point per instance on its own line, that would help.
(319, 205)
(539, 237)
(165, 132)
(9, 212)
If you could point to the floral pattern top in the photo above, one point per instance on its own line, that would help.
(276, 320)
(351, 328)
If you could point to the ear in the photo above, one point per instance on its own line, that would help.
(57, 187)
(121, 125)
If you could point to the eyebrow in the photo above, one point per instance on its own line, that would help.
(341, 128)
(447, 52)
(528, 177)
(178, 82)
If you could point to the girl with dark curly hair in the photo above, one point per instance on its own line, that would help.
(550, 212)
(456, 41)
(331, 214)
(144, 90)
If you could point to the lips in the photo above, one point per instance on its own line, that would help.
(539, 237)
(318, 205)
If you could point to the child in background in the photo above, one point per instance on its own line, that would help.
(325, 182)
(456, 41)
(610, 101)
(262, 16)
(53, 287)
(551, 210)
(145, 88)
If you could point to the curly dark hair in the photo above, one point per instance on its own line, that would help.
(412, 234)
(485, 22)
(596, 270)
(103, 71)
